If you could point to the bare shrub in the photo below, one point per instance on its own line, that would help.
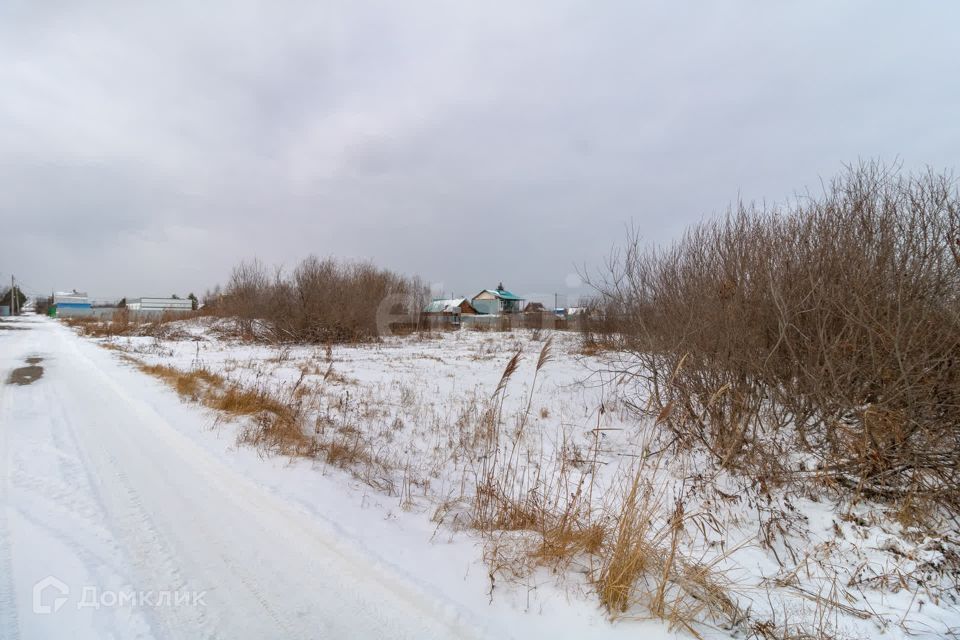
(829, 327)
(321, 301)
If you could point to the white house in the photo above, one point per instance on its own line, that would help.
(497, 301)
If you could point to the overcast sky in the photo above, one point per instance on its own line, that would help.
(145, 148)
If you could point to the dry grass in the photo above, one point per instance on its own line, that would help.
(91, 326)
(533, 506)
(645, 564)
(278, 424)
(277, 421)
(123, 322)
(567, 540)
(633, 552)
(539, 511)
(189, 384)
(237, 401)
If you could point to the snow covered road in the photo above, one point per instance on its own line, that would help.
(113, 523)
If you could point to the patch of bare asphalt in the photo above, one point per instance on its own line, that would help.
(29, 374)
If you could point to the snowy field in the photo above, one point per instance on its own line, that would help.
(494, 504)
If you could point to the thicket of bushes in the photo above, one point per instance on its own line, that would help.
(320, 301)
(818, 339)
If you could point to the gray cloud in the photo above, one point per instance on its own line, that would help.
(146, 149)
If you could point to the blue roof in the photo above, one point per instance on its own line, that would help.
(503, 294)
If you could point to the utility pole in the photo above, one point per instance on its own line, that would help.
(13, 298)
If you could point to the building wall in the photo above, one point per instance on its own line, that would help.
(487, 306)
(485, 322)
(153, 314)
(441, 320)
(107, 313)
(71, 299)
(70, 310)
(160, 304)
(489, 303)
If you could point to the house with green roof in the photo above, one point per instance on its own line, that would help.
(497, 301)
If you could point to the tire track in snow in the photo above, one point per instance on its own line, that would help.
(177, 518)
(135, 532)
(9, 622)
(153, 558)
(319, 557)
